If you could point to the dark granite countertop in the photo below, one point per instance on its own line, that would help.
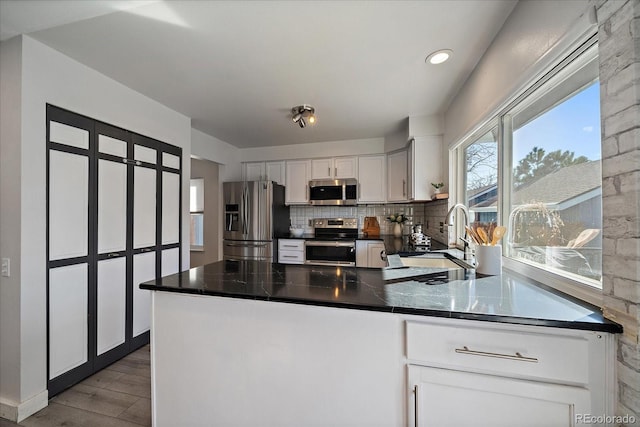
(453, 293)
(393, 245)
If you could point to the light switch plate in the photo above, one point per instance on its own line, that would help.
(6, 267)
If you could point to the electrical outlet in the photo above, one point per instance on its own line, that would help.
(6, 267)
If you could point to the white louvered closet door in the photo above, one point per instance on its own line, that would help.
(68, 249)
(112, 244)
(144, 235)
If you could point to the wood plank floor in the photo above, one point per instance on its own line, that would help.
(117, 396)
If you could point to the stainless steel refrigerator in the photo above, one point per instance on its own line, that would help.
(254, 215)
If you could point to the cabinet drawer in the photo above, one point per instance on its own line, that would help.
(512, 353)
(291, 245)
(291, 257)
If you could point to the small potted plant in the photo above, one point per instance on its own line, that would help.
(438, 186)
(397, 220)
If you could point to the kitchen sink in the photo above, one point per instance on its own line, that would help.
(428, 262)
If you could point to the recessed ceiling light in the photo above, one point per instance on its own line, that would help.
(439, 56)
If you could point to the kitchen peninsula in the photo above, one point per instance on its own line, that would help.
(256, 343)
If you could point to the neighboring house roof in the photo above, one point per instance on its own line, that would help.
(563, 188)
(563, 185)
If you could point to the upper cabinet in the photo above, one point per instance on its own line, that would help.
(259, 171)
(298, 174)
(397, 176)
(334, 168)
(425, 166)
(371, 179)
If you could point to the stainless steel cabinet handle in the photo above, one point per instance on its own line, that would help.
(517, 356)
(404, 186)
(329, 243)
(246, 245)
(415, 405)
(289, 256)
(329, 171)
(289, 246)
(336, 172)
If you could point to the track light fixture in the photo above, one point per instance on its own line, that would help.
(303, 114)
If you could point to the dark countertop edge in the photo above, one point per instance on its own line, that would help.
(604, 326)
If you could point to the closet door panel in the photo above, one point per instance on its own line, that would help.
(112, 206)
(144, 207)
(112, 301)
(68, 205)
(170, 207)
(144, 269)
(170, 261)
(68, 327)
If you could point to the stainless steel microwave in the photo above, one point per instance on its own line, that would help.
(333, 192)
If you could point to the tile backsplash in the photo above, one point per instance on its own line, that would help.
(429, 214)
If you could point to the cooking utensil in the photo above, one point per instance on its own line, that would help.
(498, 233)
(472, 234)
(482, 234)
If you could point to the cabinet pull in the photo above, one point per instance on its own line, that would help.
(517, 356)
(289, 256)
(132, 162)
(404, 186)
(336, 172)
(415, 405)
(329, 171)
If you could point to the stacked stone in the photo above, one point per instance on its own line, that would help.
(619, 52)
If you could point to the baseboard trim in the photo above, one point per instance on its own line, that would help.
(17, 413)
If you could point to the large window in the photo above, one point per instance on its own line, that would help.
(481, 180)
(548, 191)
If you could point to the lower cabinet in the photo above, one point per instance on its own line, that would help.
(463, 373)
(291, 251)
(370, 253)
(443, 397)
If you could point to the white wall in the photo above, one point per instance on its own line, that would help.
(533, 36)
(10, 102)
(50, 77)
(352, 147)
(207, 147)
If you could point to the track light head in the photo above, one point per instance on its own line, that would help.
(303, 114)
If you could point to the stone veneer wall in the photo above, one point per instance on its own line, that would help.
(619, 51)
(429, 214)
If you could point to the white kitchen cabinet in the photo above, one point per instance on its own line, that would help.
(443, 397)
(334, 168)
(298, 174)
(397, 176)
(370, 253)
(372, 179)
(291, 251)
(258, 171)
(471, 373)
(425, 166)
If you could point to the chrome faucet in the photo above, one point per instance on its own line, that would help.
(449, 220)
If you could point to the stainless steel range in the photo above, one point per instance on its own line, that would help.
(334, 242)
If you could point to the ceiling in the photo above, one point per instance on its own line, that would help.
(237, 67)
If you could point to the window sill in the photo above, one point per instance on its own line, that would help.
(582, 291)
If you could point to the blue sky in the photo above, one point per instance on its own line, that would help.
(573, 125)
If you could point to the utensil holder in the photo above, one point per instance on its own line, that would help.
(489, 259)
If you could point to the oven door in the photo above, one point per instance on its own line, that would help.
(330, 252)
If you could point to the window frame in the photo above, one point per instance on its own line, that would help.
(548, 81)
